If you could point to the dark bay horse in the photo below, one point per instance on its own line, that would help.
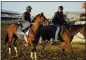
(48, 32)
(12, 31)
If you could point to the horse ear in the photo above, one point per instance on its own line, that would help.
(42, 14)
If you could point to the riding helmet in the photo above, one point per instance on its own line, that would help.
(61, 7)
(28, 7)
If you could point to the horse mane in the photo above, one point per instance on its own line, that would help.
(44, 17)
(35, 18)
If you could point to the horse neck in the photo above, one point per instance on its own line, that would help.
(75, 29)
(12, 28)
(35, 25)
(83, 31)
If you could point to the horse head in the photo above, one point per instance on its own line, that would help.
(40, 18)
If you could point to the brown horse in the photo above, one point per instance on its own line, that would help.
(74, 29)
(33, 31)
(12, 31)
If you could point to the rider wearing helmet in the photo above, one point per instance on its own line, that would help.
(26, 22)
(58, 20)
(26, 18)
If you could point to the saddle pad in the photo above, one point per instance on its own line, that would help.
(20, 34)
(19, 28)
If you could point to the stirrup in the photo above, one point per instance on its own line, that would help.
(60, 38)
(23, 30)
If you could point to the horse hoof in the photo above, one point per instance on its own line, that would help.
(9, 53)
(75, 58)
(35, 58)
(32, 58)
(16, 55)
(26, 45)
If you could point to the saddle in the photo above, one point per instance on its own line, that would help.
(20, 33)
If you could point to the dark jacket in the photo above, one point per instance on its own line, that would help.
(27, 16)
(58, 18)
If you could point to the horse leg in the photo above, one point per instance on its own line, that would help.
(15, 43)
(9, 47)
(68, 45)
(35, 44)
(51, 40)
(9, 44)
(16, 51)
(43, 45)
(71, 49)
(10, 35)
(63, 45)
(9, 50)
(33, 53)
(40, 40)
(15, 48)
(32, 48)
(26, 40)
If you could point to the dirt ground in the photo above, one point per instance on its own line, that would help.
(52, 52)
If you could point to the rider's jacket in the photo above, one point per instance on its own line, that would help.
(58, 18)
(26, 16)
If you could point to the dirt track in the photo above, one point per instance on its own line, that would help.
(53, 52)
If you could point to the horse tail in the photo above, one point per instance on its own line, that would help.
(6, 40)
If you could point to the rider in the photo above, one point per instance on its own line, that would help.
(58, 20)
(26, 21)
(26, 18)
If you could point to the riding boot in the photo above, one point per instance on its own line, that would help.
(24, 30)
(60, 37)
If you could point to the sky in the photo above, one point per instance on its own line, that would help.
(49, 8)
